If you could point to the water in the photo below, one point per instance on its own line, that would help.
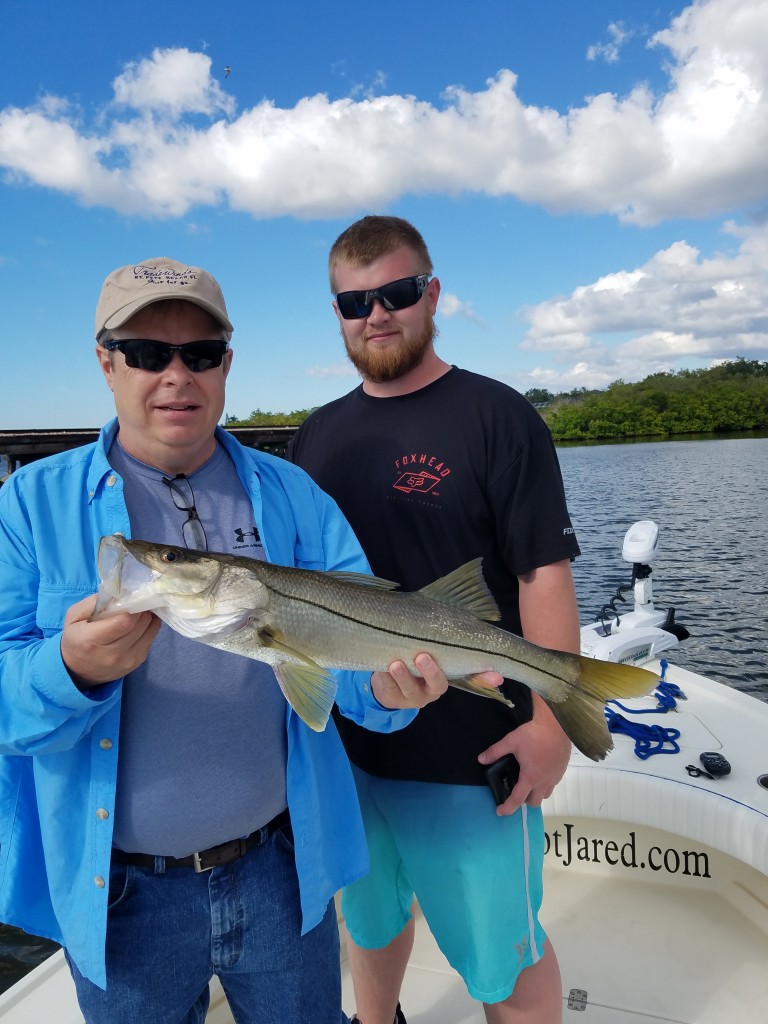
(710, 501)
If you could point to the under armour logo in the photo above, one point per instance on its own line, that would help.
(241, 534)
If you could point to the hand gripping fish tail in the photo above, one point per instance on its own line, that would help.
(305, 623)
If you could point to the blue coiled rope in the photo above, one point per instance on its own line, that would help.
(649, 739)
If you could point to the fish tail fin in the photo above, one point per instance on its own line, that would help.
(608, 680)
(310, 690)
(582, 714)
(581, 717)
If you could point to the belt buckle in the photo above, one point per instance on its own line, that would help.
(218, 856)
(197, 864)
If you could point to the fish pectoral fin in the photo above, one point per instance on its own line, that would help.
(268, 639)
(309, 689)
(364, 579)
(465, 588)
(475, 684)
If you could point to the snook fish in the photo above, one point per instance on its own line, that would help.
(304, 622)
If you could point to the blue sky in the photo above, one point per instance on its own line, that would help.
(591, 179)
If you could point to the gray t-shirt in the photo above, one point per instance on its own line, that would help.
(203, 743)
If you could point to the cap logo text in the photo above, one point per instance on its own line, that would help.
(164, 275)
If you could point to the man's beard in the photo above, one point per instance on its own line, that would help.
(383, 365)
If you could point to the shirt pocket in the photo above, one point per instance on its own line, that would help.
(53, 602)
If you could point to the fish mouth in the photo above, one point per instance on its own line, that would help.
(125, 583)
(128, 584)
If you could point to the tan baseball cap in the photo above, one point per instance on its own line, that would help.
(129, 289)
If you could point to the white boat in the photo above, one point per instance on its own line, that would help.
(656, 875)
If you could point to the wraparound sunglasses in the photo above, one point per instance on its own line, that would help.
(395, 295)
(146, 354)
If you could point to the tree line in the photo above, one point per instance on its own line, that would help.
(732, 396)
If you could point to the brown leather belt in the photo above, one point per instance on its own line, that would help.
(206, 860)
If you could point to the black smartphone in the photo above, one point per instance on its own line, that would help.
(501, 777)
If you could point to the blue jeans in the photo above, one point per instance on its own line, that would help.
(169, 931)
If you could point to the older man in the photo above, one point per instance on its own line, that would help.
(164, 814)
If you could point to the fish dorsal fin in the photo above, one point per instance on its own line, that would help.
(465, 588)
(364, 579)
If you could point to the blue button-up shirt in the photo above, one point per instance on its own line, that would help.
(59, 746)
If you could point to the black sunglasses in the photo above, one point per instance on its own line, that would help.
(395, 295)
(145, 354)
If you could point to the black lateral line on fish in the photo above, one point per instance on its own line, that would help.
(408, 636)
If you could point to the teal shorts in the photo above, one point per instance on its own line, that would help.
(477, 877)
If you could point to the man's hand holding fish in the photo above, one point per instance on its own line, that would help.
(97, 652)
(399, 688)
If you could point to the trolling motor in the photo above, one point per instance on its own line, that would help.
(644, 632)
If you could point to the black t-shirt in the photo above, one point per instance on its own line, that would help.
(462, 468)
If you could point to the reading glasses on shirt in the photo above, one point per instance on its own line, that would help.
(146, 354)
(192, 529)
(396, 295)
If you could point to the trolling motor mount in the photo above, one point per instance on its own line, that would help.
(644, 632)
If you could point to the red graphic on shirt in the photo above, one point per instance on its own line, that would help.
(420, 473)
(409, 482)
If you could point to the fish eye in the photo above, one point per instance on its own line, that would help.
(171, 556)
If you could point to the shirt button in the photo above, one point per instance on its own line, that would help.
(111, 481)
(98, 882)
(105, 744)
(102, 814)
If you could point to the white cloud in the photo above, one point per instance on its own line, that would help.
(609, 51)
(676, 307)
(172, 82)
(336, 370)
(580, 375)
(374, 87)
(172, 139)
(451, 305)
